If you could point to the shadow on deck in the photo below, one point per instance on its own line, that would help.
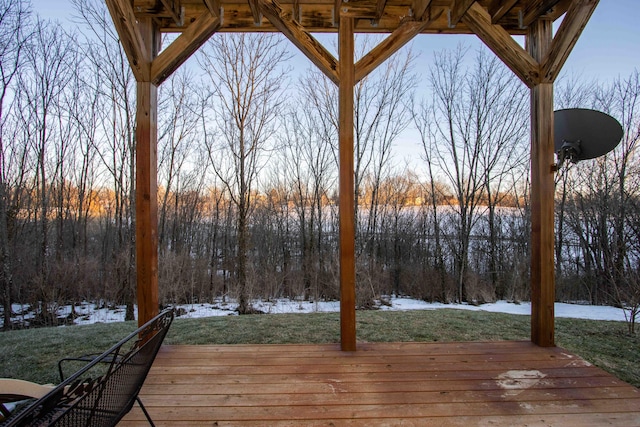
(382, 384)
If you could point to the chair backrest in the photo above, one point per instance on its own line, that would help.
(103, 391)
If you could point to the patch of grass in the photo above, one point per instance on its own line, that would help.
(608, 345)
(33, 354)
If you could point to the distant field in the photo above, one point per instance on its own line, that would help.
(33, 354)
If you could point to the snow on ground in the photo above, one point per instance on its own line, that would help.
(88, 313)
(575, 311)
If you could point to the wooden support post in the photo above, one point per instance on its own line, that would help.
(147, 201)
(347, 185)
(147, 183)
(539, 40)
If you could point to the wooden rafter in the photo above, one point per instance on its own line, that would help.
(566, 37)
(337, 5)
(457, 11)
(499, 8)
(405, 33)
(213, 6)
(536, 9)
(380, 5)
(301, 39)
(255, 12)
(503, 45)
(183, 47)
(297, 12)
(176, 11)
(131, 40)
(419, 9)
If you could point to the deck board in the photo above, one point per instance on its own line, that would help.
(382, 384)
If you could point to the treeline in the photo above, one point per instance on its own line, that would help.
(247, 161)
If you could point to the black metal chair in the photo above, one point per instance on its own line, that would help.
(105, 389)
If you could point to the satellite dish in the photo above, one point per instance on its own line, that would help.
(582, 134)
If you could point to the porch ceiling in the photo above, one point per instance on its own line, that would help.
(445, 16)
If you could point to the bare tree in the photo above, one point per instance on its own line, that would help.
(469, 130)
(500, 114)
(381, 114)
(14, 34)
(178, 125)
(48, 72)
(246, 79)
(116, 150)
(422, 121)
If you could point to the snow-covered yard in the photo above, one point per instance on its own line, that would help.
(88, 313)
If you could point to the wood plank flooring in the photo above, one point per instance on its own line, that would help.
(382, 384)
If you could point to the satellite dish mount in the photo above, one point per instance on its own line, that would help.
(569, 150)
(582, 134)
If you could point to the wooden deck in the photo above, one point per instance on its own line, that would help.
(382, 384)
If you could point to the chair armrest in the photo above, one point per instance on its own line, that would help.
(86, 358)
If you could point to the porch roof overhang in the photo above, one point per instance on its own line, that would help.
(140, 23)
(373, 16)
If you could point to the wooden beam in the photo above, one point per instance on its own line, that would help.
(254, 5)
(536, 9)
(196, 34)
(380, 5)
(542, 194)
(383, 51)
(301, 39)
(213, 6)
(146, 183)
(347, 191)
(566, 37)
(419, 9)
(176, 11)
(503, 45)
(458, 10)
(297, 13)
(134, 47)
(499, 8)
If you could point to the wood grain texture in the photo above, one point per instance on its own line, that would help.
(458, 9)
(542, 194)
(383, 51)
(566, 37)
(125, 23)
(503, 45)
(499, 8)
(304, 41)
(420, 8)
(346, 46)
(147, 201)
(213, 6)
(146, 198)
(535, 9)
(382, 384)
(382, 16)
(174, 55)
